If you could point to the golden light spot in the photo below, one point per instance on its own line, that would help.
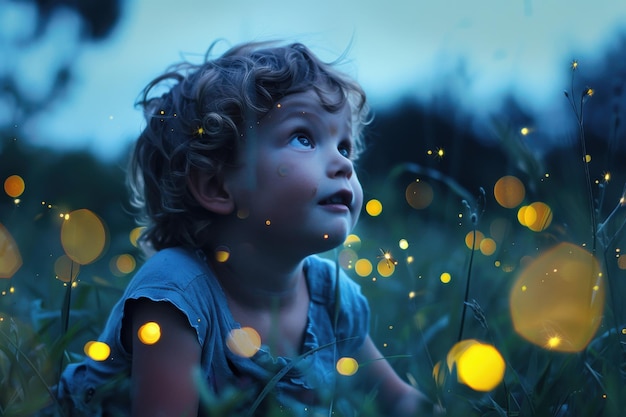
(267, 222)
(607, 176)
(419, 194)
(149, 333)
(363, 267)
(538, 216)
(497, 264)
(403, 244)
(509, 191)
(412, 294)
(481, 367)
(385, 267)
(10, 257)
(559, 298)
(83, 236)
(574, 65)
(66, 269)
(487, 246)
(589, 92)
(125, 263)
(440, 152)
(587, 158)
(352, 242)
(374, 207)
(553, 342)
(222, 254)
(445, 277)
(135, 234)
(244, 342)
(409, 259)
(524, 131)
(469, 239)
(347, 366)
(325, 236)
(14, 186)
(278, 105)
(98, 351)
(200, 131)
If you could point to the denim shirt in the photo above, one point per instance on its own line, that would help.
(184, 279)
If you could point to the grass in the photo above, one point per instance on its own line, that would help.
(416, 317)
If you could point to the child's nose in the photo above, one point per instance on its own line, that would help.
(340, 166)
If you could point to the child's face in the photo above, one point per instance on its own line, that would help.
(295, 185)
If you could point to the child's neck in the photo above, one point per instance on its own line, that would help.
(258, 281)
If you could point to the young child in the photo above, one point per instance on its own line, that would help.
(244, 172)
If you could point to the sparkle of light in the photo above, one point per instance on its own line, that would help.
(347, 366)
(149, 333)
(374, 207)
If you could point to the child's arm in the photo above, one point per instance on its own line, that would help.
(395, 397)
(162, 373)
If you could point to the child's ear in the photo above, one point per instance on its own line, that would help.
(210, 192)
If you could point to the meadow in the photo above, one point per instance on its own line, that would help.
(494, 274)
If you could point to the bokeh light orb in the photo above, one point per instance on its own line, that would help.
(473, 239)
(14, 186)
(445, 277)
(363, 267)
(10, 257)
(480, 366)
(65, 269)
(374, 207)
(487, 246)
(244, 342)
(98, 351)
(419, 194)
(83, 236)
(385, 267)
(509, 191)
(347, 366)
(353, 242)
(538, 216)
(149, 333)
(557, 301)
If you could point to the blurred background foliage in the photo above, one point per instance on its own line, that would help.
(416, 316)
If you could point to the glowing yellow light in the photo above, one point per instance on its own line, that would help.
(14, 186)
(353, 242)
(325, 236)
(135, 234)
(587, 158)
(363, 267)
(538, 216)
(83, 236)
(98, 351)
(481, 367)
(554, 295)
(10, 258)
(553, 342)
(200, 131)
(267, 222)
(589, 92)
(149, 333)
(487, 246)
(347, 366)
(419, 194)
(469, 239)
(222, 254)
(440, 152)
(445, 277)
(403, 244)
(574, 65)
(524, 131)
(125, 263)
(509, 191)
(607, 176)
(412, 294)
(409, 259)
(374, 207)
(244, 342)
(385, 267)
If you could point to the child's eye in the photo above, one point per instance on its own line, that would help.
(345, 149)
(302, 142)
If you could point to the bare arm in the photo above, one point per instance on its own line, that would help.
(162, 373)
(395, 397)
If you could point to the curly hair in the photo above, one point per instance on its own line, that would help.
(197, 125)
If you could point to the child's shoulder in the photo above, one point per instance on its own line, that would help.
(174, 265)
